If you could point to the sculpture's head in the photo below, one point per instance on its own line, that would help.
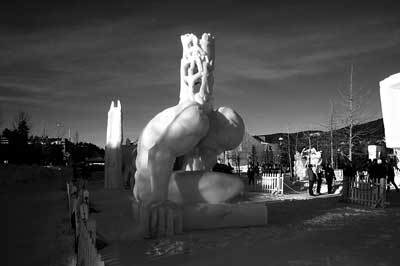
(197, 65)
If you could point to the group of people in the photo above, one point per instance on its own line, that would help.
(316, 177)
(378, 169)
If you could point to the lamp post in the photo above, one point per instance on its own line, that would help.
(280, 151)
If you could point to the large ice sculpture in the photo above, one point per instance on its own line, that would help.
(113, 168)
(178, 147)
(303, 159)
(390, 101)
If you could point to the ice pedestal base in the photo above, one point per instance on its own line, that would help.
(115, 224)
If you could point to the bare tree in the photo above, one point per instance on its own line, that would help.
(330, 138)
(354, 102)
(332, 128)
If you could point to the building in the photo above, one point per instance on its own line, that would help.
(252, 149)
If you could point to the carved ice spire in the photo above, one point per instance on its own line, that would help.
(197, 66)
(114, 125)
(113, 156)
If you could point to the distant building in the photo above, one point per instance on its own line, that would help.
(251, 149)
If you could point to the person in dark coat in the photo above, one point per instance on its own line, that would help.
(348, 175)
(250, 174)
(381, 170)
(311, 179)
(256, 170)
(86, 170)
(372, 170)
(320, 175)
(390, 174)
(329, 177)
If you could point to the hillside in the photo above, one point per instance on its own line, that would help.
(370, 132)
(367, 133)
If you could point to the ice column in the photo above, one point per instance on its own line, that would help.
(113, 160)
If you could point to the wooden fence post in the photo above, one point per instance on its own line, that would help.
(69, 200)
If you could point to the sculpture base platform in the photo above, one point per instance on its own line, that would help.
(119, 223)
(213, 216)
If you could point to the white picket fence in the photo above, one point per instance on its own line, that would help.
(368, 192)
(85, 228)
(270, 183)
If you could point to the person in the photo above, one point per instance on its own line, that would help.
(85, 170)
(250, 174)
(348, 175)
(311, 179)
(320, 174)
(380, 170)
(256, 170)
(329, 177)
(390, 175)
(372, 170)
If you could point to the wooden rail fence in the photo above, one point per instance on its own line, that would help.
(84, 227)
(368, 192)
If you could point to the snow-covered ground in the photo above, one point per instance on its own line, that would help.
(302, 230)
(33, 222)
(319, 231)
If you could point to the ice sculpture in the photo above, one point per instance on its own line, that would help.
(390, 101)
(303, 159)
(113, 167)
(179, 146)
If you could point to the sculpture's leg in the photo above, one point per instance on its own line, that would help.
(170, 134)
(159, 217)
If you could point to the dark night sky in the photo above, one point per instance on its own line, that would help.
(278, 63)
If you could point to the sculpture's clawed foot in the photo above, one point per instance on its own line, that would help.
(165, 219)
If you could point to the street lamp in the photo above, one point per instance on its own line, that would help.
(280, 151)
